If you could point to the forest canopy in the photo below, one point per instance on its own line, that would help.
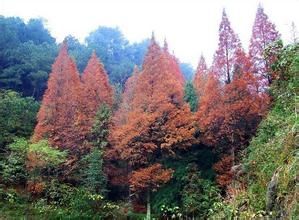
(110, 129)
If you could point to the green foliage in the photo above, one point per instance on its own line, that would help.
(26, 53)
(190, 96)
(13, 168)
(118, 56)
(17, 117)
(93, 176)
(198, 195)
(273, 150)
(49, 156)
(40, 155)
(100, 129)
(171, 195)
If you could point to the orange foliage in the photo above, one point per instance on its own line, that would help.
(121, 115)
(157, 121)
(150, 178)
(35, 188)
(229, 114)
(223, 170)
(200, 77)
(59, 113)
(96, 91)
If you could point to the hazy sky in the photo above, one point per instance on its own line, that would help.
(190, 26)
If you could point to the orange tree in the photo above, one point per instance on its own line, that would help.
(158, 121)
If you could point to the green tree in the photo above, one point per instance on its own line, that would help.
(198, 194)
(17, 117)
(94, 177)
(190, 96)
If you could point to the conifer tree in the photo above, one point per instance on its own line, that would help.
(263, 34)
(200, 77)
(94, 177)
(59, 113)
(229, 44)
(97, 90)
(158, 123)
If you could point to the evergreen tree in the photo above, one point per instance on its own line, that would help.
(191, 96)
(94, 177)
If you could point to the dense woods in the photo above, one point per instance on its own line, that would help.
(114, 130)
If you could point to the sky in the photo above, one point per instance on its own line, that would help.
(190, 26)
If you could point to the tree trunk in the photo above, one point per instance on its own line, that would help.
(148, 205)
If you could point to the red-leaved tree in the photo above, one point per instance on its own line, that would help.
(59, 114)
(263, 34)
(200, 77)
(229, 44)
(158, 121)
(96, 92)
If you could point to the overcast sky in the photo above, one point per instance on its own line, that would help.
(190, 26)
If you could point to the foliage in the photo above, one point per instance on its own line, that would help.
(13, 167)
(96, 92)
(58, 118)
(26, 54)
(198, 195)
(118, 56)
(41, 155)
(190, 96)
(17, 117)
(263, 35)
(200, 78)
(229, 44)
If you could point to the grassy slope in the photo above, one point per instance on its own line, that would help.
(275, 149)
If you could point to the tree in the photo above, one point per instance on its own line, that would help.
(121, 115)
(159, 122)
(190, 96)
(17, 117)
(174, 64)
(149, 179)
(200, 78)
(26, 54)
(263, 34)
(96, 92)
(118, 56)
(94, 177)
(210, 110)
(59, 115)
(224, 58)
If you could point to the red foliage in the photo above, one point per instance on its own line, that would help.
(149, 178)
(223, 170)
(200, 77)
(96, 91)
(225, 56)
(263, 34)
(229, 114)
(156, 120)
(59, 113)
